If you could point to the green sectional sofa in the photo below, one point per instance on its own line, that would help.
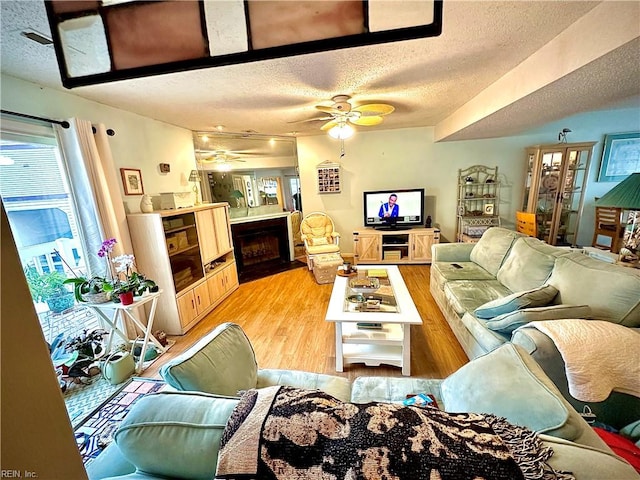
(497, 290)
(176, 434)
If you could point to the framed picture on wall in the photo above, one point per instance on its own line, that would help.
(329, 180)
(132, 181)
(620, 156)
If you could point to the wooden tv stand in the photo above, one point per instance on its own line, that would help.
(394, 246)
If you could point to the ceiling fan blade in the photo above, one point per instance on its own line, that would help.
(329, 125)
(312, 120)
(366, 121)
(330, 110)
(374, 109)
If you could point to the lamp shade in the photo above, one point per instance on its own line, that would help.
(193, 176)
(625, 195)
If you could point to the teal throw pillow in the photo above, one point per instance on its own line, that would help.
(508, 322)
(537, 297)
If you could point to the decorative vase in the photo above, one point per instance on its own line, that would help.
(60, 303)
(126, 298)
(146, 205)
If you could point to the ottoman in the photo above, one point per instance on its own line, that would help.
(325, 267)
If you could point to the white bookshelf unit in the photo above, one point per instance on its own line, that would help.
(189, 254)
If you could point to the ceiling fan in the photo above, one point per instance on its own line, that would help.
(341, 112)
(220, 159)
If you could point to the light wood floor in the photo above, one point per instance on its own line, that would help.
(283, 316)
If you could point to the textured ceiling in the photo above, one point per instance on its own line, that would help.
(426, 80)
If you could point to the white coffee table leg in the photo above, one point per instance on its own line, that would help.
(339, 357)
(406, 350)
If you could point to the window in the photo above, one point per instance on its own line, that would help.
(41, 210)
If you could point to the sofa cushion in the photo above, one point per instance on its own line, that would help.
(392, 389)
(492, 248)
(467, 295)
(508, 322)
(443, 272)
(338, 387)
(175, 434)
(486, 338)
(528, 264)
(587, 463)
(222, 362)
(509, 383)
(578, 277)
(536, 297)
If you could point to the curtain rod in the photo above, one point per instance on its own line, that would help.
(62, 123)
(110, 132)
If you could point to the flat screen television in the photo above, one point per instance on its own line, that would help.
(394, 209)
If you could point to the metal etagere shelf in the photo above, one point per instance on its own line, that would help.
(478, 202)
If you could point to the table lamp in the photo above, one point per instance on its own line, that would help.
(237, 194)
(626, 195)
(194, 177)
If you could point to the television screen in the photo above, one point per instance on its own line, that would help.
(394, 208)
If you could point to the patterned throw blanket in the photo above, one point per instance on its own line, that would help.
(290, 433)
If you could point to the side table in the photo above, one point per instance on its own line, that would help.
(120, 311)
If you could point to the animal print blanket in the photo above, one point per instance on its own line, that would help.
(290, 433)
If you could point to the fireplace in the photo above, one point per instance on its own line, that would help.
(261, 247)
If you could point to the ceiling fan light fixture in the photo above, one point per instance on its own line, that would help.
(222, 167)
(341, 131)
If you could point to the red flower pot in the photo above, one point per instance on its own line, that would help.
(126, 298)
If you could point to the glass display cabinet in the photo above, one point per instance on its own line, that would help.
(554, 189)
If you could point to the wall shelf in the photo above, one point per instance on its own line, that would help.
(478, 202)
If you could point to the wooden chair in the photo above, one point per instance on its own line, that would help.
(526, 223)
(609, 223)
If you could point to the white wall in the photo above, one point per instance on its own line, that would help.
(375, 159)
(140, 142)
(407, 158)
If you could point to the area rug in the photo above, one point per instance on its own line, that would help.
(96, 432)
(82, 399)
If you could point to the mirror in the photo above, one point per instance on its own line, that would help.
(256, 174)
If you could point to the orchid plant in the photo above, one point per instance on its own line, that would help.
(105, 251)
(121, 276)
(128, 279)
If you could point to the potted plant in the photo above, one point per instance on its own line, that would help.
(85, 348)
(94, 290)
(49, 288)
(129, 283)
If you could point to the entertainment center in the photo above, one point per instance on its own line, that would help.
(394, 246)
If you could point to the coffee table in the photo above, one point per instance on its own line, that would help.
(388, 344)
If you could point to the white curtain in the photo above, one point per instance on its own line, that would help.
(95, 188)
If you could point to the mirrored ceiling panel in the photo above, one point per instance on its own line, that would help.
(242, 151)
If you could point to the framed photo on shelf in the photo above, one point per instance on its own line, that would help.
(132, 181)
(620, 156)
(329, 180)
(488, 209)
